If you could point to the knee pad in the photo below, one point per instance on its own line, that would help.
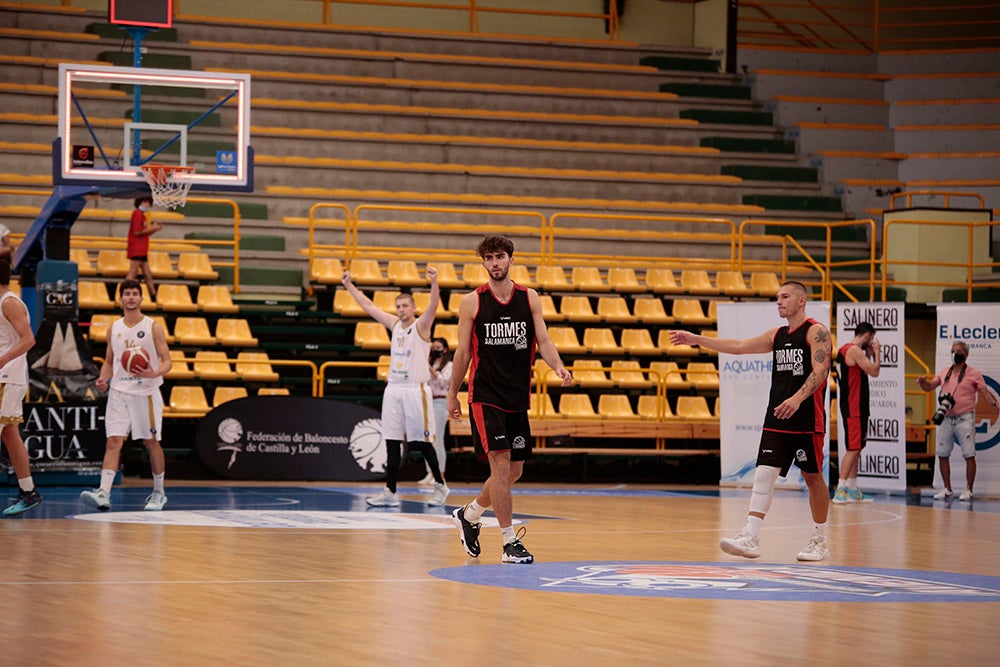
(764, 478)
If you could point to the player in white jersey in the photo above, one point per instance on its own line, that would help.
(407, 404)
(135, 405)
(16, 339)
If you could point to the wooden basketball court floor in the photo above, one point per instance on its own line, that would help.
(298, 574)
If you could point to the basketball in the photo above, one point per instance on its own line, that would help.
(135, 359)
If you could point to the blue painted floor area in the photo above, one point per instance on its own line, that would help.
(64, 501)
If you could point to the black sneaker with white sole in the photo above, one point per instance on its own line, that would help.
(514, 552)
(468, 532)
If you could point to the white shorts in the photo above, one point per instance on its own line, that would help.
(140, 415)
(408, 413)
(960, 429)
(12, 403)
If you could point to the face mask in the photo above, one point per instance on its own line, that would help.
(143, 207)
(959, 357)
(436, 353)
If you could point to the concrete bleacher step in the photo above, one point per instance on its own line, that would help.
(749, 144)
(771, 173)
(769, 83)
(711, 90)
(791, 109)
(950, 165)
(150, 59)
(728, 117)
(815, 137)
(973, 110)
(795, 203)
(110, 31)
(674, 63)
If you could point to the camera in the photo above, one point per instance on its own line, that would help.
(945, 401)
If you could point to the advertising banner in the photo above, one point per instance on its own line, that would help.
(292, 438)
(744, 387)
(978, 325)
(882, 464)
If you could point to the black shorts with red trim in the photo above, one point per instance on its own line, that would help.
(496, 430)
(855, 433)
(780, 449)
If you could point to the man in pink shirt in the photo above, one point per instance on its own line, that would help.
(963, 384)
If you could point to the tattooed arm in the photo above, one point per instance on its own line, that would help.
(820, 348)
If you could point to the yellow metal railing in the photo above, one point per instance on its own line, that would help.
(946, 195)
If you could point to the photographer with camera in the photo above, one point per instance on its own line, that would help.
(960, 384)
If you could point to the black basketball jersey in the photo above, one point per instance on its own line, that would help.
(791, 365)
(503, 351)
(852, 387)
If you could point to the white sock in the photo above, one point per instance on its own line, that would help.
(26, 484)
(852, 483)
(158, 482)
(107, 479)
(841, 484)
(819, 529)
(474, 511)
(753, 525)
(508, 535)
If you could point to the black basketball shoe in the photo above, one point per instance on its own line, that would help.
(515, 551)
(468, 532)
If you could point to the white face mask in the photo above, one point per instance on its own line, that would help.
(143, 207)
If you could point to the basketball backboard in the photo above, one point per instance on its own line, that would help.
(114, 120)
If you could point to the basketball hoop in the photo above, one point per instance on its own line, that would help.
(168, 190)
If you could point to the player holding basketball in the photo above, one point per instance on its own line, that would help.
(15, 341)
(134, 402)
(795, 422)
(856, 360)
(407, 404)
(499, 327)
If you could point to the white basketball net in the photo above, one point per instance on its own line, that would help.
(168, 192)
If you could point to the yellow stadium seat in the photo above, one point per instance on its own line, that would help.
(99, 324)
(577, 309)
(421, 301)
(565, 340)
(255, 367)
(226, 394)
(367, 272)
(113, 263)
(589, 373)
(709, 333)
(622, 280)
(162, 321)
(765, 283)
(455, 302)
(474, 274)
(447, 276)
(689, 311)
(449, 332)
(671, 350)
(712, 312)
(600, 341)
(588, 279)
(696, 281)
(234, 333)
(273, 391)
(615, 406)
(731, 283)
(148, 302)
(650, 310)
(614, 310)
(385, 300)
(84, 265)
(552, 279)
(326, 270)
(544, 373)
(346, 305)
(626, 374)
(543, 409)
(404, 272)
(651, 406)
(179, 369)
(638, 342)
(693, 407)
(703, 376)
(188, 400)
(161, 265)
(717, 410)
(463, 402)
(175, 299)
(576, 406)
(662, 281)
(14, 286)
(93, 295)
(196, 266)
(193, 331)
(209, 365)
(670, 373)
(549, 311)
(520, 274)
(371, 336)
(216, 299)
(382, 370)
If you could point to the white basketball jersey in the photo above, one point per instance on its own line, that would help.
(409, 362)
(16, 370)
(121, 336)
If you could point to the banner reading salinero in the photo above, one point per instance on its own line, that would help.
(293, 438)
(978, 325)
(882, 464)
(744, 387)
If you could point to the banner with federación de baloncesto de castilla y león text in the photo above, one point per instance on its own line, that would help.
(978, 325)
(744, 387)
(882, 463)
